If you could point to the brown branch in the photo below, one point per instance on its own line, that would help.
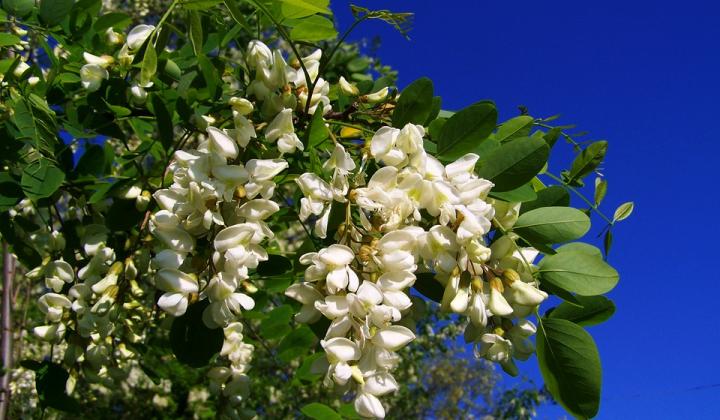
(6, 350)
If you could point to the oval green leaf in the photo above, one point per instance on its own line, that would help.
(519, 126)
(570, 364)
(578, 272)
(320, 412)
(623, 211)
(553, 195)
(41, 179)
(466, 129)
(313, 28)
(513, 163)
(588, 160)
(552, 225)
(415, 103)
(594, 310)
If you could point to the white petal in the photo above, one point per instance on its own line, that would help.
(340, 349)
(393, 337)
(368, 405)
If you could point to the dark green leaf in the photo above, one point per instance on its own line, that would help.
(466, 129)
(415, 103)
(18, 8)
(429, 287)
(513, 163)
(524, 193)
(164, 121)
(196, 31)
(296, 344)
(587, 161)
(515, 127)
(200, 4)
(277, 323)
(92, 162)
(320, 412)
(191, 340)
(112, 20)
(551, 225)
(50, 379)
(595, 310)
(10, 192)
(607, 241)
(313, 28)
(41, 179)
(122, 215)
(52, 12)
(570, 364)
(548, 197)
(275, 265)
(578, 272)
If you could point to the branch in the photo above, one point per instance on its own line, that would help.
(6, 350)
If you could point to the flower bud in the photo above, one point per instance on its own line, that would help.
(137, 36)
(142, 201)
(92, 75)
(375, 97)
(347, 88)
(241, 105)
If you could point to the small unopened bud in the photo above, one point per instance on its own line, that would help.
(378, 96)
(357, 374)
(241, 105)
(347, 88)
(142, 201)
(510, 276)
(477, 284)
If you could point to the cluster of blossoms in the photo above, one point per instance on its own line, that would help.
(406, 214)
(362, 282)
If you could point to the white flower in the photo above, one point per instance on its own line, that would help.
(340, 349)
(52, 305)
(137, 36)
(376, 96)
(102, 61)
(221, 143)
(368, 405)
(178, 286)
(494, 348)
(393, 337)
(281, 130)
(306, 294)
(92, 75)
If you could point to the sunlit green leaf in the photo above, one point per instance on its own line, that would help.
(595, 310)
(514, 163)
(552, 225)
(578, 272)
(466, 129)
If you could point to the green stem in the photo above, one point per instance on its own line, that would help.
(344, 124)
(579, 194)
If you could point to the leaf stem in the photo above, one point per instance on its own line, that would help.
(581, 195)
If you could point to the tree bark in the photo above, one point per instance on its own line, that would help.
(6, 349)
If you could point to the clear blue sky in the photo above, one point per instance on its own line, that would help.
(645, 76)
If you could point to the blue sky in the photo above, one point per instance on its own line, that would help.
(643, 75)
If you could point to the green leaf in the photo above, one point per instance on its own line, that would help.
(41, 179)
(551, 225)
(623, 211)
(523, 193)
(515, 127)
(607, 241)
(209, 73)
(277, 323)
(415, 103)
(92, 162)
(192, 342)
(18, 8)
(52, 12)
(275, 265)
(200, 4)
(164, 121)
(36, 122)
(296, 344)
(600, 190)
(50, 380)
(318, 132)
(112, 20)
(10, 192)
(580, 247)
(466, 129)
(595, 310)
(513, 163)
(554, 195)
(149, 64)
(570, 364)
(429, 287)
(295, 9)
(588, 160)
(196, 31)
(578, 272)
(8, 39)
(313, 28)
(320, 412)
